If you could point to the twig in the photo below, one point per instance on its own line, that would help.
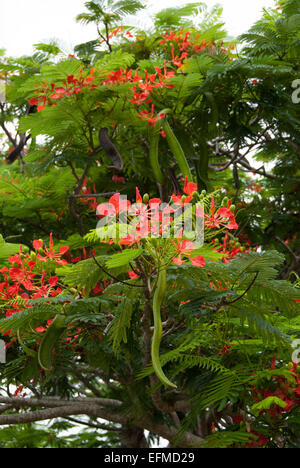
(244, 293)
(288, 248)
(93, 195)
(104, 427)
(114, 277)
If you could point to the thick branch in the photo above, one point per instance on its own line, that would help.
(73, 408)
(50, 413)
(50, 402)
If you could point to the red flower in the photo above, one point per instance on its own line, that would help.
(118, 180)
(237, 418)
(51, 253)
(222, 218)
(262, 440)
(225, 350)
(33, 102)
(129, 240)
(38, 244)
(198, 261)
(184, 248)
(189, 187)
(21, 276)
(132, 275)
(114, 206)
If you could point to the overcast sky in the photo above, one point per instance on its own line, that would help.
(27, 22)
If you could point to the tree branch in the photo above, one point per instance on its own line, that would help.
(103, 427)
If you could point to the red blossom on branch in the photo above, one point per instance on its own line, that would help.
(51, 253)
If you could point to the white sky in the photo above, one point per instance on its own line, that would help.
(27, 22)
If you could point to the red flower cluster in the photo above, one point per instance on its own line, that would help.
(255, 187)
(225, 350)
(260, 442)
(288, 390)
(115, 32)
(143, 87)
(183, 45)
(151, 217)
(150, 117)
(73, 85)
(25, 279)
(142, 215)
(230, 249)
(188, 44)
(118, 180)
(92, 202)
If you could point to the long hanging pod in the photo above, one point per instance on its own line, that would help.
(177, 150)
(49, 341)
(156, 340)
(153, 153)
(28, 351)
(202, 165)
(214, 114)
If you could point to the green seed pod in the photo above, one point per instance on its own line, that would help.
(28, 351)
(201, 164)
(157, 302)
(214, 114)
(233, 208)
(204, 193)
(153, 153)
(177, 151)
(183, 198)
(49, 341)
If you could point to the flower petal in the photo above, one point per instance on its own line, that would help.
(198, 261)
(37, 244)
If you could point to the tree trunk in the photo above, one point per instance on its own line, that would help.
(133, 437)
